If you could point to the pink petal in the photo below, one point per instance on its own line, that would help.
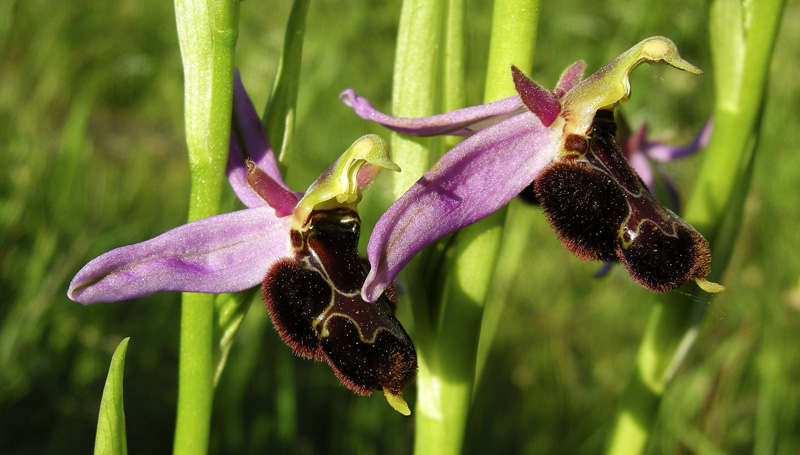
(224, 253)
(470, 182)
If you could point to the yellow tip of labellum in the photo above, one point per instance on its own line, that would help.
(708, 286)
(398, 403)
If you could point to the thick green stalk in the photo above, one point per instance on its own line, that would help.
(516, 232)
(742, 39)
(414, 95)
(414, 85)
(449, 364)
(441, 410)
(741, 78)
(453, 87)
(207, 33)
(513, 42)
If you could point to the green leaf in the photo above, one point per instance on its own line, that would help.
(111, 437)
(230, 310)
(280, 112)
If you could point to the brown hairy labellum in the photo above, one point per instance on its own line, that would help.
(315, 303)
(601, 209)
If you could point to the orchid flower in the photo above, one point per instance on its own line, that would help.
(644, 154)
(302, 247)
(563, 140)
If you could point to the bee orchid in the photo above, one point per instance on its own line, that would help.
(302, 248)
(564, 141)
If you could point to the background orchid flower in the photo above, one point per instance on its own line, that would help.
(593, 198)
(303, 247)
(642, 152)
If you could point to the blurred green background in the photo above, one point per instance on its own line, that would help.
(93, 157)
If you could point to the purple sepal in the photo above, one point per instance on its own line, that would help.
(270, 192)
(639, 151)
(661, 152)
(462, 122)
(249, 141)
(224, 253)
(470, 182)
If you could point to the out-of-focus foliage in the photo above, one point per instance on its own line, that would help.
(93, 157)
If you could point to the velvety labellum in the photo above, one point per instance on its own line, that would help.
(314, 300)
(601, 209)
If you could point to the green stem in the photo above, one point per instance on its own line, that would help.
(742, 52)
(438, 426)
(207, 33)
(414, 90)
(513, 42)
(414, 95)
(741, 80)
(516, 233)
(447, 371)
(453, 87)
(448, 365)
(434, 432)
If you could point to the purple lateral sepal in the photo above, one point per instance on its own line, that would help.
(249, 141)
(639, 152)
(470, 182)
(462, 122)
(223, 253)
(248, 126)
(662, 152)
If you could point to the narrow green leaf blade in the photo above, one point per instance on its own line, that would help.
(111, 437)
(279, 114)
(229, 312)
